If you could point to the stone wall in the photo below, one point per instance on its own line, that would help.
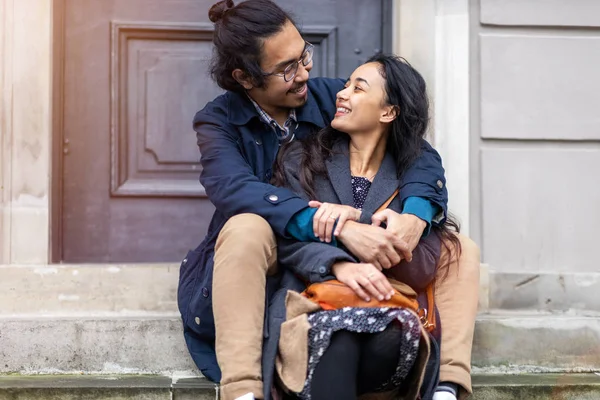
(25, 121)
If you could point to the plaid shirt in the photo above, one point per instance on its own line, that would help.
(284, 133)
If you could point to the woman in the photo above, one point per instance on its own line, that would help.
(352, 168)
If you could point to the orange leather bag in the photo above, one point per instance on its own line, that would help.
(333, 294)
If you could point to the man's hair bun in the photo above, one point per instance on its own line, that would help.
(218, 10)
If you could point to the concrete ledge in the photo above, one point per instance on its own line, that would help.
(111, 345)
(154, 344)
(544, 291)
(537, 343)
(113, 387)
(124, 288)
(88, 288)
(121, 387)
(537, 387)
(105, 288)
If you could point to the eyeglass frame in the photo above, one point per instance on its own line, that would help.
(308, 48)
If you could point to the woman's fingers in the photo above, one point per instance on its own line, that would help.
(329, 217)
(383, 285)
(329, 225)
(326, 223)
(314, 204)
(366, 283)
(317, 219)
(354, 285)
(365, 280)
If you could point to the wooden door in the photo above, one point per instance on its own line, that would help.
(134, 74)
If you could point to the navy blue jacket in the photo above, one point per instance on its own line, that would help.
(238, 151)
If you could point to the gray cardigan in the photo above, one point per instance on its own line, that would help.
(312, 261)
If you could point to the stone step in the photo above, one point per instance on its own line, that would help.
(536, 387)
(153, 344)
(542, 342)
(104, 387)
(131, 387)
(109, 344)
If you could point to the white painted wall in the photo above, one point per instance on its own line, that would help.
(433, 35)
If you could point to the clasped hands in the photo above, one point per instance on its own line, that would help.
(377, 248)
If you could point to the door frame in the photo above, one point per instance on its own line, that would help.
(58, 145)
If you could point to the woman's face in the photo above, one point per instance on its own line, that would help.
(361, 104)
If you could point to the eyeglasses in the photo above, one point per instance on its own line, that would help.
(291, 70)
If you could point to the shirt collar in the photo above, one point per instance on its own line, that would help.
(241, 110)
(269, 120)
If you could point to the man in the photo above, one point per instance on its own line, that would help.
(263, 63)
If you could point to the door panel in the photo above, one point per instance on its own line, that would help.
(135, 73)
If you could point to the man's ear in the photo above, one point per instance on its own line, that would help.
(242, 78)
(389, 114)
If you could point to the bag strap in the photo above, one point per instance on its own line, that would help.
(388, 201)
(428, 320)
(427, 315)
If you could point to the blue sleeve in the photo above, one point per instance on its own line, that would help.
(422, 208)
(300, 227)
(425, 179)
(229, 179)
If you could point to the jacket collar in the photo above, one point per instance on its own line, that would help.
(383, 186)
(241, 110)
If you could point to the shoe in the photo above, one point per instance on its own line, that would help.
(250, 396)
(443, 396)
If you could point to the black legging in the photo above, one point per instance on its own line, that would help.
(356, 363)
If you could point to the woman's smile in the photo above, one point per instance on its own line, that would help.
(340, 111)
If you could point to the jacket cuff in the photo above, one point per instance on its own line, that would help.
(365, 217)
(280, 220)
(322, 269)
(300, 227)
(421, 208)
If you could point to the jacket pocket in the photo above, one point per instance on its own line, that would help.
(187, 278)
(200, 312)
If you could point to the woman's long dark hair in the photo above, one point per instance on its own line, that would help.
(405, 89)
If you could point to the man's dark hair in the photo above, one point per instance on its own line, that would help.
(240, 31)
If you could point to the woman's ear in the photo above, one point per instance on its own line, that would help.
(389, 114)
(242, 78)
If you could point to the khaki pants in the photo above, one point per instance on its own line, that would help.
(457, 297)
(246, 252)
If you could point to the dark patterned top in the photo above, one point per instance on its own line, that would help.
(360, 188)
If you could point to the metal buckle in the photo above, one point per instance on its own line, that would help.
(423, 317)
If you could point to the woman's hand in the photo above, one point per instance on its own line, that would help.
(326, 217)
(365, 279)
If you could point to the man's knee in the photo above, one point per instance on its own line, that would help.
(469, 247)
(246, 230)
(470, 255)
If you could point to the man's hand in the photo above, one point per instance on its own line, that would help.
(328, 215)
(406, 227)
(365, 279)
(373, 244)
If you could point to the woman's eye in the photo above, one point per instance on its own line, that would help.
(357, 88)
